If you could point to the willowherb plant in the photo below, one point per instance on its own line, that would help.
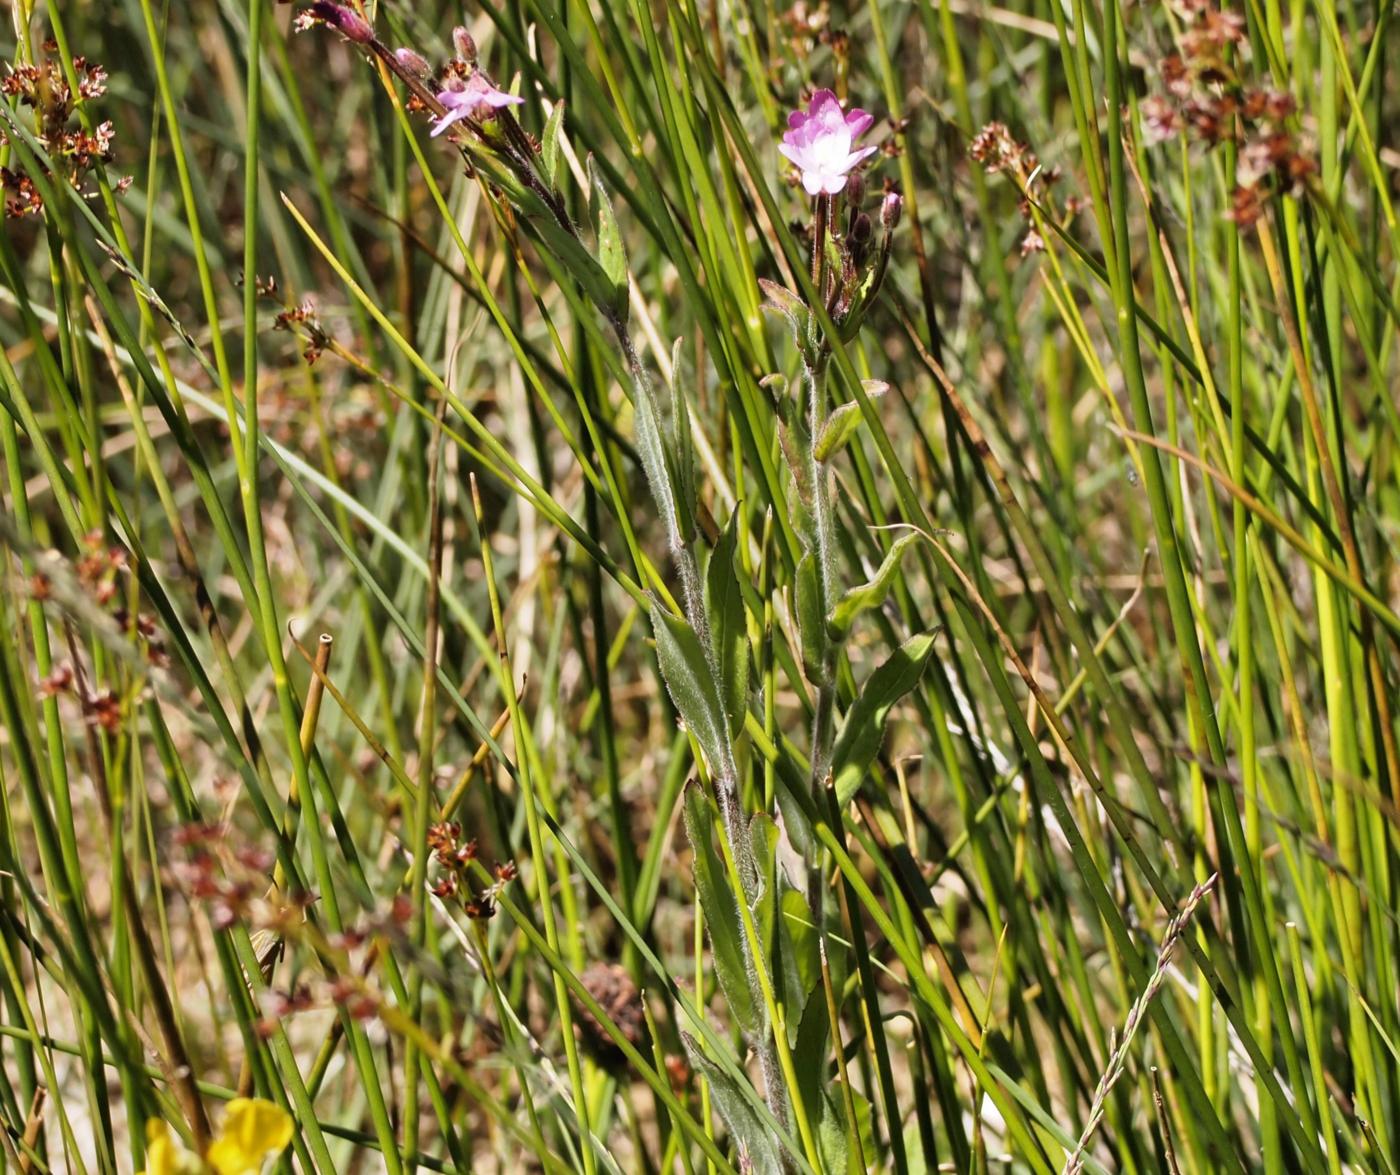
(704, 653)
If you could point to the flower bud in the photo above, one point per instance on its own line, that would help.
(859, 238)
(414, 63)
(891, 210)
(855, 190)
(350, 24)
(464, 44)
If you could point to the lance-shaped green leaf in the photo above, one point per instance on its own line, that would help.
(836, 433)
(656, 464)
(818, 1085)
(682, 445)
(782, 300)
(844, 423)
(722, 921)
(724, 605)
(867, 595)
(864, 729)
(807, 599)
(785, 927)
(686, 671)
(549, 145)
(757, 1147)
(611, 255)
(580, 263)
(792, 433)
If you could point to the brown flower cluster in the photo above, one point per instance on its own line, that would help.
(231, 880)
(805, 26)
(45, 88)
(1205, 99)
(300, 320)
(999, 152)
(454, 856)
(98, 572)
(21, 196)
(335, 990)
(99, 566)
(101, 708)
(281, 1005)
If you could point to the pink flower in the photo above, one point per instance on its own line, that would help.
(477, 95)
(822, 143)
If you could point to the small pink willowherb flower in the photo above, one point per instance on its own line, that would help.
(821, 143)
(477, 95)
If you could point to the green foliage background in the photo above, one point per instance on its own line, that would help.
(1105, 879)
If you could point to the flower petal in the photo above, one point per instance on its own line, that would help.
(858, 122)
(790, 151)
(830, 121)
(447, 120)
(164, 1154)
(482, 92)
(253, 1129)
(856, 156)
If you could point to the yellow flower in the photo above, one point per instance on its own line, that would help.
(253, 1129)
(165, 1155)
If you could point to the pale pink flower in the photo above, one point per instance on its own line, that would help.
(821, 143)
(476, 96)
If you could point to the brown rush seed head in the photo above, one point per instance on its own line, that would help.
(58, 682)
(1160, 119)
(613, 989)
(443, 837)
(480, 908)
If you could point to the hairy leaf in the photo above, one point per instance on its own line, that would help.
(844, 422)
(690, 683)
(549, 145)
(611, 255)
(864, 729)
(757, 1147)
(724, 605)
(867, 595)
(682, 444)
(807, 598)
(656, 464)
(722, 922)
